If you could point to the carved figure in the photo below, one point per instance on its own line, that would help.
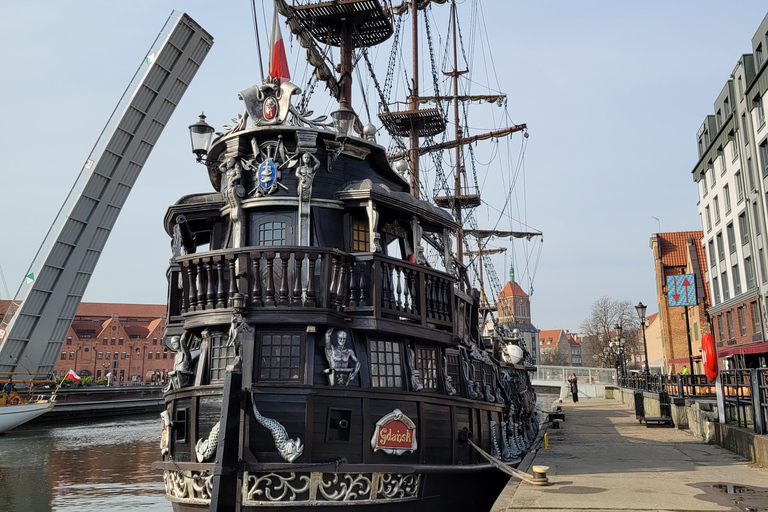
(181, 374)
(448, 380)
(305, 174)
(206, 448)
(506, 451)
(289, 449)
(495, 452)
(415, 373)
(338, 357)
(236, 327)
(233, 193)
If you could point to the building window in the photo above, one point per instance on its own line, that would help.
(720, 248)
(165, 354)
(727, 199)
(741, 88)
(426, 361)
(720, 326)
(716, 288)
(716, 202)
(749, 271)
(157, 355)
(703, 182)
(743, 228)
(755, 316)
(149, 355)
(719, 118)
(63, 356)
(112, 342)
(280, 358)
(712, 258)
(115, 355)
(762, 266)
(709, 218)
(122, 355)
(272, 233)
(736, 280)
(764, 157)
(120, 341)
(106, 355)
(69, 341)
(712, 178)
(750, 175)
(744, 129)
(105, 341)
(729, 321)
(739, 188)
(731, 238)
(386, 368)
(361, 235)
(756, 218)
(726, 288)
(760, 112)
(734, 150)
(154, 341)
(99, 355)
(742, 322)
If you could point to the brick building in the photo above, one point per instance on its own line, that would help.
(674, 254)
(122, 339)
(513, 307)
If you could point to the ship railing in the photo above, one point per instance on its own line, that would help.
(313, 277)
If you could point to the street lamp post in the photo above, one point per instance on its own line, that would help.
(641, 313)
(619, 330)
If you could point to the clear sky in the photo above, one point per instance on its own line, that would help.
(612, 93)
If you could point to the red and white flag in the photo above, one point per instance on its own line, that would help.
(72, 375)
(278, 62)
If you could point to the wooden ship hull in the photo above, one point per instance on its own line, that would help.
(320, 360)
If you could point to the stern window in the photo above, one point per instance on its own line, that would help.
(361, 235)
(280, 358)
(427, 362)
(221, 356)
(386, 366)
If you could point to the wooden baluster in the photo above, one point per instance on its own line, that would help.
(414, 301)
(256, 293)
(362, 301)
(447, 298)
(284, 298)
(269, 300)
(341, 288)
(430, 296)
(191, 269)
(335, 264)
(202, 286)
(298, 264)
(221, 295)
(399, 289)
(232, 280)
(352, 285)
(441, 311)
(385, 300)
(210, 299)
(407, 301)
(311, 292)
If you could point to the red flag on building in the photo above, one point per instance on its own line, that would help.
(72, 375)
(278, 62)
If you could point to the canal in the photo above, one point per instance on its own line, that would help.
(91, 466)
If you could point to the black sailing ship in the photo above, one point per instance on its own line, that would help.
(320, 360)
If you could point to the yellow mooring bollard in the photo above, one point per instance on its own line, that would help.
(546, 442)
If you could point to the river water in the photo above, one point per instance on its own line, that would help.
(91, 466)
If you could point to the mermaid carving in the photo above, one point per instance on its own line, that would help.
(289, 449)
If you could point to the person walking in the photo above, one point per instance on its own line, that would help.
(574, 387)
(685, 370)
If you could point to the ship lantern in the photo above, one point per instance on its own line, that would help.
(343, 121)
(201, 134)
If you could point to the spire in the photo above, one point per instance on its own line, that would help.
(511, 273)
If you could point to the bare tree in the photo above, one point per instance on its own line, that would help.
(601, 346)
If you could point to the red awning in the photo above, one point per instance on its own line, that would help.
(749, 348)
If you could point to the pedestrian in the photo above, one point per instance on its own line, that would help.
(9, 387)
(685, 370)
(574, 387)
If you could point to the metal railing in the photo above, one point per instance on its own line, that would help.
(584, 374)
(681, 386)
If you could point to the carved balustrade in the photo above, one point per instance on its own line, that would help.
(361, 284)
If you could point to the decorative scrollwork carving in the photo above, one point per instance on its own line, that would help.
(276, 487)
(194, 488)
(396, 485)
(345, 486)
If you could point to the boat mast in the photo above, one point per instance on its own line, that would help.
(459, 154)
(413, 101)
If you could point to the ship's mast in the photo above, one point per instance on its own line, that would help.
(459, 154)
(413, 101)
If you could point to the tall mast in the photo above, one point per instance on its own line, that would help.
(459, 161)
(413, 101)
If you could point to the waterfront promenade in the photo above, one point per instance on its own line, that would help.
(602, 459)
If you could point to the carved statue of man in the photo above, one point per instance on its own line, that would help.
(182, 361)
(338, 357)
(305, 174)
(233, 193)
